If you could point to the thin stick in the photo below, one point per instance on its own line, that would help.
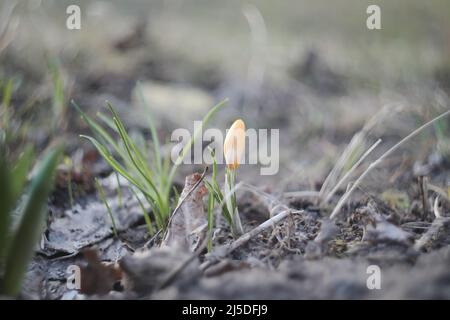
(423, 190)
(380, 159)
(349, 172)
(152, 239)
(430, 236)
(272, 222)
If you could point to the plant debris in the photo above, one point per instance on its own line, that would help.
(187, 225)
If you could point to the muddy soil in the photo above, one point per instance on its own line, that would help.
(305, 257)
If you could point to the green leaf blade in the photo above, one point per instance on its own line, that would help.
(30, 227)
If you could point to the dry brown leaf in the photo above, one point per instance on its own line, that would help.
(98, 277)
(187, 226)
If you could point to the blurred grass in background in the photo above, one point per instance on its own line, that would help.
(249, 51)
(414, 40)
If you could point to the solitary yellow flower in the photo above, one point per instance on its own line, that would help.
(234, 145)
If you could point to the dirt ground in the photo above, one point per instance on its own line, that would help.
(311, 70)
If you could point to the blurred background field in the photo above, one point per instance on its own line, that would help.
(310, 68)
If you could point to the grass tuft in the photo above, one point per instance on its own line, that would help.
(153, 179)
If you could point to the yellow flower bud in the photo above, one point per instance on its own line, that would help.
(234, 145)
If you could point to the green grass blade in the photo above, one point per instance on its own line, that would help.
(20, 171)
(218, 196)
(148, 222)
(136, 158)
(104, 138)
(32, 223)
(58, 99)
(176, 195)
(100, 133)
(116, 165)
(139, 166)
(6, 201)
(153, 132)
(188, 146)
(214, 186)
(107, 121)
(134, 155)
(108, 208)
(210, 218)
(119, 190)
(7, 94)
(111, 161)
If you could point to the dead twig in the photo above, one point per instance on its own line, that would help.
(423, 190)
(152, 239)
(272, 222)
(429, 237)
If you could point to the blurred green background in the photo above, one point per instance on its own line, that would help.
(311, 68)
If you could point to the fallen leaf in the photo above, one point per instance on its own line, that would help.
(186, 226)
